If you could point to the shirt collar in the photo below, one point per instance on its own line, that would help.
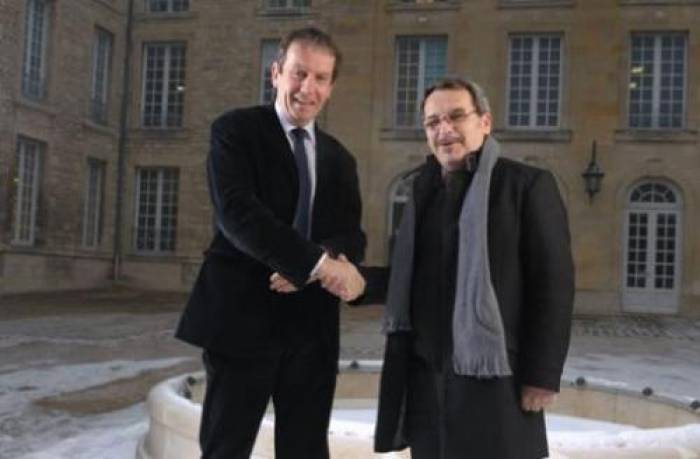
(288, 126)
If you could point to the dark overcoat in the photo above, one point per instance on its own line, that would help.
(254, 186)
(533, 277)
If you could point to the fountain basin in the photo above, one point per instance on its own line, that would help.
(646, 425)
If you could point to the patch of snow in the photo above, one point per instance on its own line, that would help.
(25, 427)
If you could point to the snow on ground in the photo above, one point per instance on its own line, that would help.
(111, 436)
(116, 435)
(29, 428)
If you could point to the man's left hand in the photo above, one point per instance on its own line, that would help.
(281, 285)
(536, 398)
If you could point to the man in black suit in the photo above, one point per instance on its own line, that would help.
(287, 203)
(480, 295)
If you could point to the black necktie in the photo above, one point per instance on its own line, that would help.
(301, 217)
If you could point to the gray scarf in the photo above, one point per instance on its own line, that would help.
(477, 327)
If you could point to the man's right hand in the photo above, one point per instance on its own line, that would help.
(341, 278)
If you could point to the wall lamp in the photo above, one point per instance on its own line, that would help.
(593, 175)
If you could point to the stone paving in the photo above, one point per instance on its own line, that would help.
(634, 326)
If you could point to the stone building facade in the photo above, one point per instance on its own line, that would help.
(123, 195)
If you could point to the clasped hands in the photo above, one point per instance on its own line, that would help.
(338, 276)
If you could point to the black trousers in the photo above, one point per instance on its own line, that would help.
(458, 417)
(300, 379)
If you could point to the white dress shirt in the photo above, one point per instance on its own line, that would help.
(310, 147)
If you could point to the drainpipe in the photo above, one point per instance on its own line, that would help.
(122, 147)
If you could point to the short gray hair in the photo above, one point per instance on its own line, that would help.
(481, 102)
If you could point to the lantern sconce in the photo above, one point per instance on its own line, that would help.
(593, 175)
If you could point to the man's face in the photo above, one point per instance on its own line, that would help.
(453, 127)
(305, 81)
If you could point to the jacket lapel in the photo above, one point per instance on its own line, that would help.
(324, 175)
(281, 150)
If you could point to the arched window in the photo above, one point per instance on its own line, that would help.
(399, 194)
(652, 248)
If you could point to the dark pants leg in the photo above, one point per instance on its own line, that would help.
(301, 381)
(234, 403)
(303, 397)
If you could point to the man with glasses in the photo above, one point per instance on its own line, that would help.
(479, 296)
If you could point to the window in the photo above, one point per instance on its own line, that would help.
(27, 180)
(163, 85)
(267, 55)
(420, 61)
(167, 6)
(101, 64)
(287, 4)
(652, 248)
(34, 66)
(156, 209)
(657, 80)
(534, 81)
(536, 3)
(92, 212)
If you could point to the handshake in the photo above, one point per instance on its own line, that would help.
(338, 276)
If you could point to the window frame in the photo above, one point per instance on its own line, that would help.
(289, 5)
(163, 86)
(650, 297)
(23, 143)
(170, 6)
(421, 79)
(158, 217)
(534, 88)
(34, 83)
(99, 103)
(93, 204)
(656, 89)
(265, 64)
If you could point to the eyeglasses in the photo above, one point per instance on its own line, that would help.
(456, 116)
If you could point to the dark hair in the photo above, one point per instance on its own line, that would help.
(311, 36)
(481, 102)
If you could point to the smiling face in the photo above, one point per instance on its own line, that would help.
(453, 127)
(304, 82)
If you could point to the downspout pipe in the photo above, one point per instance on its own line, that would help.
(122, 150)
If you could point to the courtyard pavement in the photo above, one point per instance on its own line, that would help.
(69, 360)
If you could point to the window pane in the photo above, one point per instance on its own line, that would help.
(27, 190)
(420, 61)
(93, 204)
(102, 55)
(636, 254)
(534, 79)
(657, 80)
(161, 6)
(156, 210)
(268, 53)
(287, 4)
(33, 68)
(164, 84)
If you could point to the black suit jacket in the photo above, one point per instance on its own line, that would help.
(253, 186)
(532, 274)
